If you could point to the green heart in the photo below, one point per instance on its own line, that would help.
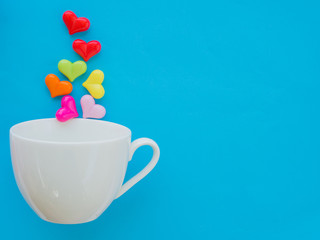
(72, 70)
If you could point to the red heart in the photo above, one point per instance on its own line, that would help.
(75, 24)
(86, 50)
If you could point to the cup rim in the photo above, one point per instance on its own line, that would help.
(16, 135)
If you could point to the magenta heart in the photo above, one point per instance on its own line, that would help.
(68, 109)
(90, 109)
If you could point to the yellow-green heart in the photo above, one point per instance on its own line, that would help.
(72, 70)
(93, 84)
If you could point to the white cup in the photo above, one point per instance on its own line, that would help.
(71, 172)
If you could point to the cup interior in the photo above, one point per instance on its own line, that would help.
(73, 131)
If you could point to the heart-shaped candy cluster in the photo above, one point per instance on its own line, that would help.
(74, 70)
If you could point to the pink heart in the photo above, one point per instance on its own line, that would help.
(90, 109)
(68, 109)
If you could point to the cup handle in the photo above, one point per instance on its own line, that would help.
(156, 154)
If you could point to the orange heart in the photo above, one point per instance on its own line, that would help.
(57, 87)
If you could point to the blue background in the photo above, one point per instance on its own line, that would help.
(228, 89)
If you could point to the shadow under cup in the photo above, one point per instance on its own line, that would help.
(69, 172)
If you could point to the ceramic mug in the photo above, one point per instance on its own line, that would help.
(71, 172)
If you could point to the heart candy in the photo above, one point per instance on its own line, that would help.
(72, 70)
(93, 84)
(90, 109)
(68, 109)
(75, 24)
(86, 50)
(57, 87)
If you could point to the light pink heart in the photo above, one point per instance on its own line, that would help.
(68, 109)
(90, 109)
